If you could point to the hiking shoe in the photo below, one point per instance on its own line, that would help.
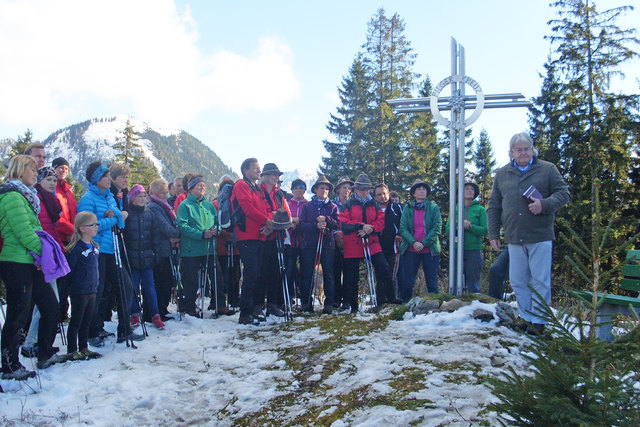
(29, 351)
(96, 342)
(327, 310)
(226, 311)
(274, 310)
(133, 336)
(194, 313)
(134, 321)
(258, 314)
(248, 320)
(56, 358)
(104, 334)
(76, 356)
(157, 321)
(20, 374)
(90, 354)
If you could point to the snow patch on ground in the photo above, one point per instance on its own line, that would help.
(217, 372)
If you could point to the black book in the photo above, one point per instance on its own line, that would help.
(532, 191)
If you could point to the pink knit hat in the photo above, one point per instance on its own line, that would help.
(135, 191)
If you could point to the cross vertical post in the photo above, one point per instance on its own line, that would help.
(457, 103)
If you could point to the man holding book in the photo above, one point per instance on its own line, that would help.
(526, 194)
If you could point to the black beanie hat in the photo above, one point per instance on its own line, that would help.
(59, 161)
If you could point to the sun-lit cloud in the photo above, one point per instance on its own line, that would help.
(136, 57)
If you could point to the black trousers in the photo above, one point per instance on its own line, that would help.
(338, 268)
(164, 281)
(78, 331)
(64, 287)
(24, 284)
(230, 270)
(109, 284)
(251, 255)
(351, 276)
(498, 274)
(269, 281)
(191, 267)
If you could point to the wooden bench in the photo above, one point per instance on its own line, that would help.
(616, 304)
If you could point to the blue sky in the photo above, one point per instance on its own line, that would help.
(253, 78)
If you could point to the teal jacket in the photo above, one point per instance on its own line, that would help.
(194, 217)
(18, 223)
(477, 216)
(432, 226)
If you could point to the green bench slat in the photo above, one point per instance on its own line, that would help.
(608, 298)
(630, 284)
(635, 254)
(631, 270)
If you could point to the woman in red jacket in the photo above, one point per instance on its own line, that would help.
(361, 218)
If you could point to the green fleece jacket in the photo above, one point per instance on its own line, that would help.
(507, 207)
(432, 226)
(19, 223)
(194, 217)
(477, 216)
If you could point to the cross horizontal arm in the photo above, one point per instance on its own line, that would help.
(426, 100)
(423, 109)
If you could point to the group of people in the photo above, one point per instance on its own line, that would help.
(254, 248)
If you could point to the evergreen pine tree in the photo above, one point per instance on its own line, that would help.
(424, 148)
(389, 60)
(21, 143)
(578, 120)
(485, 164)
(129, 152)
(349, 126)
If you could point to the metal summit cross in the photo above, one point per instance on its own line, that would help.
(457, 103)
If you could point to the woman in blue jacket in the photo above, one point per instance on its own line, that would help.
(100, 201)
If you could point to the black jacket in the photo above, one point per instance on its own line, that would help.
(123, 202)
(164, 228)
(138, 232)
(83, 262)
(392, 216)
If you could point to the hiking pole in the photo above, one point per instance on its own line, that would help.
(4, 315)
(230, 268)
(316, 264)
(125, 311)
(370, 276)
(175, 269)
(396, 262)
(283, 276)
(214, 244)
(137, 290)
(63, 335)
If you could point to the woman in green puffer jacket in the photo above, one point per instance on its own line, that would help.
(19, 208)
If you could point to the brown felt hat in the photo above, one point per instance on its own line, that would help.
(419, 183)
(343, 180)
(322, 180)
(362, 182)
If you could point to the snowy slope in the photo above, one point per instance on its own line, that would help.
(308, 176)
(217, 372)
(98, 136)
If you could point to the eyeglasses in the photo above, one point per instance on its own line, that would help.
(90, 225)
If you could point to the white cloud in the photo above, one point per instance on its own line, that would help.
(63, 58)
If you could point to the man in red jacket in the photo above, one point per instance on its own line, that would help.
(253, 224)
(65, 226)
(269, 285)
(361, 218)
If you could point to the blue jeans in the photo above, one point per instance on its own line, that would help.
(531, 264)
(473, 262)
(149, 289)
(430, 264)
(326, 260)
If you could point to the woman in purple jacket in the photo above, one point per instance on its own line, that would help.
(319, 216)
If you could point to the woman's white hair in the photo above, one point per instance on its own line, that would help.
(522, 137)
